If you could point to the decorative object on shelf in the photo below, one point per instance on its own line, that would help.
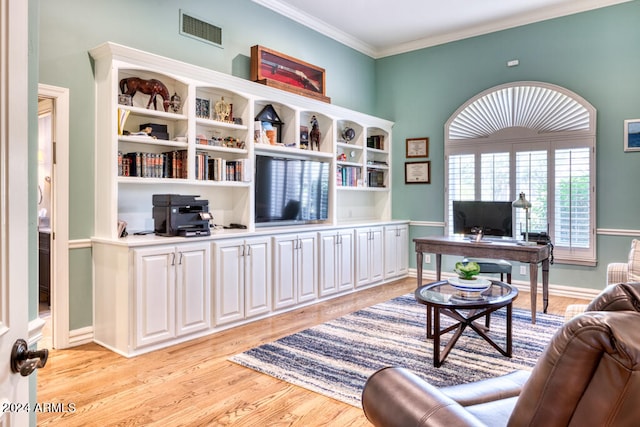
(176, 102)
(222, 110)
(284, 72)
(124, 99)
(523, 203)
(152, 87)
(417, 172)
(348, 134)
(417, 147)
(268, 116)
(304, 137)
(314, 135)
(203, 108)
(122, 119)
(376, 142)
(632, 135)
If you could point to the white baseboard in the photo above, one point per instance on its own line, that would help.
(80, 336)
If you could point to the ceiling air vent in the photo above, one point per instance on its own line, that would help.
(199, 29)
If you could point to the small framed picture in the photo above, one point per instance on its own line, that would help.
(417, 172)
(203, 108)
(632, 135)
(417, 147)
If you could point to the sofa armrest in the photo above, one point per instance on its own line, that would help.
(489, 390)
(617, 272)
(395, 397)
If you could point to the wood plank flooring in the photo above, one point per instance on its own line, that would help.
(193, 384)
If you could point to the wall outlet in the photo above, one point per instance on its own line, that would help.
(523, 270)
(427, 259)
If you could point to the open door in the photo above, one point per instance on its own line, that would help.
(14, 216)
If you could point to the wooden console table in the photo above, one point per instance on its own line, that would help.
(533, 255)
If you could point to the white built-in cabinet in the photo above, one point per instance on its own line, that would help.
(242, 271)
(172, 291)
(396, 242)
(152, 291)
(369, 255)
(336, 262)
(295, 271)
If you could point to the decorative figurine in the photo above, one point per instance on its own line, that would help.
(314, 135)
(176, 102)
(348, 134)
(222, 110)
(152, 87)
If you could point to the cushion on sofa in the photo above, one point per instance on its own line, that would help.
(634, 261)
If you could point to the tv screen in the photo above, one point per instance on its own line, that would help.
(290, 190)
(494, 218)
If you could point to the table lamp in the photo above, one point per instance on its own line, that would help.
(523, 203)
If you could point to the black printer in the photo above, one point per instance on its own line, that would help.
(180, 215)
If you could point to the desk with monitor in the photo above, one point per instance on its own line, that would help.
(493, 249)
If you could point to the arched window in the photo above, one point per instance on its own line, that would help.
(535, 138)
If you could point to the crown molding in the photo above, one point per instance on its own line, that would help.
(340, 36)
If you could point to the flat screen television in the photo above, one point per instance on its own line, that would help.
(290, 191)
(494, 218)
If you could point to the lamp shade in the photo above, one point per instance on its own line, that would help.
(521, 202)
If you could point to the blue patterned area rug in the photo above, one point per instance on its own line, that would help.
(336, 358)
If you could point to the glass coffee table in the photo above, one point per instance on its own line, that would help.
(464, 307)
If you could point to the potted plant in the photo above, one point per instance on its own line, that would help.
(468, 270)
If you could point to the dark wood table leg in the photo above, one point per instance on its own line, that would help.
(533, 275)
(438, 266)
(509, 336)
(436, 338)
(419, 267)
(545, 284)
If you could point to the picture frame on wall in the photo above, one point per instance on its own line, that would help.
(203, 108)
(417, 172)
(417, 147)
(632, 135)
(284, 72)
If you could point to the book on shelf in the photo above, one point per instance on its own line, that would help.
(375, 141)
(347, 176)
(375, 178)
(170, 164)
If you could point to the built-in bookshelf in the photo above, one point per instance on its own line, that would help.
(204, 139)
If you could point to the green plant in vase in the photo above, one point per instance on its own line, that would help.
(468, 270)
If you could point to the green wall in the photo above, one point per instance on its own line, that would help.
(592, 54)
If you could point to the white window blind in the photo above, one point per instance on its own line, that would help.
(462, 179)
(531, 179)
(572, 198)
(494, 177)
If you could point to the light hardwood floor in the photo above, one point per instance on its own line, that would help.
(193, 384)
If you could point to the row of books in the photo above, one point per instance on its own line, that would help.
(172, 164)
(375, 141)
(375, 178)
(218, 169)
(348, 176)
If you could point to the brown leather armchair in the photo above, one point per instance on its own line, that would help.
(589, 375)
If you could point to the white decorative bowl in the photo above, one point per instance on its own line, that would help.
(476, 285)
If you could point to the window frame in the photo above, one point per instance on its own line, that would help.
(514, 139)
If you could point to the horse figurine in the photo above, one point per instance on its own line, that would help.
(151, 87)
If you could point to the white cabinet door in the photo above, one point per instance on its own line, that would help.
(193, 288)
(345, 260)
(154, 295)
(396, 251)
(229, 280)
(257, 277)
(376, 255)
(369, 256)
(329, 263)
(284, 271)
(306, 263)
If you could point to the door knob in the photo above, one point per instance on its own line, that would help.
(26, 361)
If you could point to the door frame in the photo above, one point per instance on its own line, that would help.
(60, 214)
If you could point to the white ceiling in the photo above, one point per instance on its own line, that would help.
(380, 28)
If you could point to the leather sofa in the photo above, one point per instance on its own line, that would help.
(589, 375)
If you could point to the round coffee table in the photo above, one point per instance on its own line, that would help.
(465, 308)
